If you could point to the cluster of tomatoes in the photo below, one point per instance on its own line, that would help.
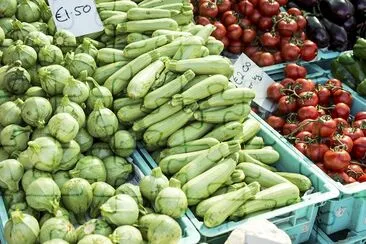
(316, 118)
(258, 28)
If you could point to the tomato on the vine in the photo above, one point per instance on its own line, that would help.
(254, 2)
(246, 8)
(341, 110)
(266, 59)
(277, 57)
(341, 124)
(342, 96)
(316, 151)
(234, 32)
(290, 52)
(223, 5)
(270, 39)
(301, 22)
(307, 99)
(288, 128)
(287, 105)
(295, 71)
(360, 124)
(360, 115)
(362, 178)
(294, 11)
(250, 50)
(245, 23)
(282, 2)
(333, 84)
(309, 50)
(229, 17)
(325, 127)
(220, 30)
(339, 140)
(323, 95)
(276, 122)
(256, 15)
(359, 148)
(287, 27)
(306, 125)
(208, 9)
(265, 23)
(256, 56)
(269, 8)
(226, 41)
(303, 136)
(235, 46)
(353, 133)
(341, 177)
(308, 112)
(274, 91)
(355, 171)
(304, 85)
(201, 20)
(301, 147)
(337, 160)
(249, 35)
(203, 1)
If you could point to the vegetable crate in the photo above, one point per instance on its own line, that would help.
(348, 211)
(190, 234)
(298, 219)
(318, 236)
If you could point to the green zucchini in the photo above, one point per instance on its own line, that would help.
(256, 142)
(188, 133)
(267, 156)
(301, 181)
(229, 97)
(235, 112)
(226, 131)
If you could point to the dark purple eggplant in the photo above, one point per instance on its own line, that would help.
(338, 35)
(350, 24)
(306, 3)
(337, 11)
(316, 31)
(292, 4)
(360, 8)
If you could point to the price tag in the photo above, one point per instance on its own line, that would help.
(80, 17)
(248, 74)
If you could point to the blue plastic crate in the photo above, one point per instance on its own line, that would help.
(346, 237)
(343, 212)
(190, 234)
(298, 219)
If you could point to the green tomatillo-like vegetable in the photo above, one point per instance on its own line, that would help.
(102, 122)
(122, 143)
(11, 198)
(11, 172)
(21, 228)
(14, 138)
(56, 241)
(89, 168)
(63, 127)
(36, 111)
(79, 62)
(43, 194)
(126, 234)
(100, 150)
(74, 109)
(40, 132)
(93, 226)
(65, 40)
(84, 139)
(152, 184)
(88, 48)
(171, 200)
(71, 154)
(61, 212)
(37, 40)
(77, 195)
(95, 239)
(57, 227)
(120, 210)
(31, 175)
(28, 11)
(35, 91)
(50, 54)
(131, 190)
(25, 54)
(99, 92)
(53, 78)
(61, 177)
(118, 170)
(101, 193)
(76, 90)
(8, 8)
(20, 30)
(17, 80)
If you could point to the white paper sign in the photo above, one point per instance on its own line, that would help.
(248, 74)
(80, 17)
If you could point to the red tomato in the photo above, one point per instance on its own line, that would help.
(353, 133)
(265, 23)
(304, 85)
(301, 22)
(290, 52)
(333, 84)
(316, 151)
(324, 96)
(362, 178)
(256, 56)
(256, 15)
(309, 50)
(325, 127)
(250, 50)
(208, 9)
(359, 148)
(226, 41)
(284, 40)
(269, 8)
(355, 171)
(295, 71)
(307, 99)
(360, 115)
(337, 160)
(321, 112)
(288, 128)
(303, 136)
(341, 124)
(234, 32)
(294, 11)
(246, 8)
(339, 140)
(277, 57)
(276, 122)
(306, 125)
(202, 20)
(254, 2)
(245, 23)
(270, 39)
(341, 110)
(287, 27)
(249, 35)
(223, 5)
(266, 59)
(308, 112)
(203, 1)
(287, 105)
(301, 147)
(360, 124)
(235, 47)
(341, 177)
(220, 30)
(229, 18)
(342, 96)
(282, 2)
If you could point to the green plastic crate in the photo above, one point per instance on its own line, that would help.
(346, 237)
(348, 211)
(190, 234)
(298, 219)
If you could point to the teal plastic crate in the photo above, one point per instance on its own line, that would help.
(298, 219)
(344, 237)
(189, 233)
(343, 212)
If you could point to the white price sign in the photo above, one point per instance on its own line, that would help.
(80, 17)
(248, 74)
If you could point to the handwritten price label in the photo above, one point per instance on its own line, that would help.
(79, 17)
(248, 74)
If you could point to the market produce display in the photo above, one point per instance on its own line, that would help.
(259, 29)
(316, 119)
(333, 23)
(350, 67)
